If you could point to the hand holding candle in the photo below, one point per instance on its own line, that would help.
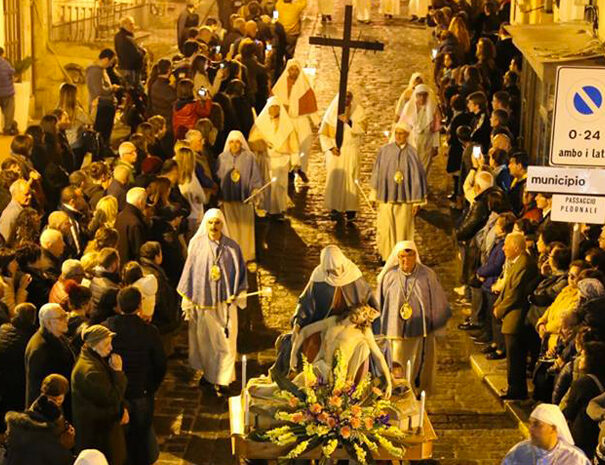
(254, 194)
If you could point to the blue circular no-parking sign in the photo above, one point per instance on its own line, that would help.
(588, 100)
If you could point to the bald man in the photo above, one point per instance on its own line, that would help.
(21, 197)
(53, 246)
(520, 278)
(119, 185)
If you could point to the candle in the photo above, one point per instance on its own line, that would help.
(422, 406)
(408, 372)
(244, 363)
(246, 396)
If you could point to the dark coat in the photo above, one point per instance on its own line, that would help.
(39, 289)
(492, 268)
(516, 196)
(132, 229)
(481, 131)
(94, 193)
(46, 354)
(119, 191)
(172, 252)
(455, 148)
(14, 337)
(33, 440)
(544, 295)
(511, 305)
(162, 96)
(475, 218)
(130, 54)
(98, 406)
(139, 345)
(166, 315)
(585, 430)
(104, 288)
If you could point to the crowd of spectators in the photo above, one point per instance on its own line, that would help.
(94, 227)
(533, 299)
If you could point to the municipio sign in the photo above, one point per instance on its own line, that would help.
(578, 128)
(566, 180)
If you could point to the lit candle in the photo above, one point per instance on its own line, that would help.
(422, 406)
(244, 363)
(408, 372)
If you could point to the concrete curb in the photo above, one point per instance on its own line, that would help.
(493, 374)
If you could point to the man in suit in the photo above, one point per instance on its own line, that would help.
(520, 277)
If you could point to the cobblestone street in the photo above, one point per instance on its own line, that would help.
(470, 422)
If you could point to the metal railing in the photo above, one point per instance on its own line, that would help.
(85, 23)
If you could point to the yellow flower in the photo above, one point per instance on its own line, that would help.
(360, 453)
(298, 417)
(368, 422)
(371, 445)
(285, 439)
(298, 450)
(293, 401)
(329, 448)
(355, 422)
(356, 410)
(335, 401)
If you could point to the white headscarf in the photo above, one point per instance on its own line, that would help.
(236, 135)
(551, 415)
(91, 457)
(203, 229)
(333, 259)
(410, 111)
(393, 260)
(301, 87)
(264, 124)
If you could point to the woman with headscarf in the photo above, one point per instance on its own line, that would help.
(294, 90)
(239, 177)
(213, 286)
(342, 164)
(550, 441)
(423, 115)
(336, 285)
(414, 308)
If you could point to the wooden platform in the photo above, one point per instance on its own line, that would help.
(420, 445)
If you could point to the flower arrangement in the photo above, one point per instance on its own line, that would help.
(333, 413)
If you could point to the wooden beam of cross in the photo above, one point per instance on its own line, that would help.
(346, 44)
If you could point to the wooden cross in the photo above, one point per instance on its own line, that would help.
(346, 44)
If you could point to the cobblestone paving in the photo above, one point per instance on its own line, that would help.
(471, 424)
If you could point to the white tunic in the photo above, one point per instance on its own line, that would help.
(362, 9)
(419, 8)
(390, 7)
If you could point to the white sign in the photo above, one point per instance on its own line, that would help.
(578, 128)
(565, 180)
(578, 209)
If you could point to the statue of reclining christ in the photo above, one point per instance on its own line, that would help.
(351, 334)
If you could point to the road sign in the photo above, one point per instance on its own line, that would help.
(565, 180)
(578, 128)
(578, 209)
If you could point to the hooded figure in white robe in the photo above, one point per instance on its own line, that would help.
(91, 457)
(274, 134)
(295, 92)
(239, 177)
(342, 166)
(529, 452)
(423, 115)
(414, 308)
(213, 286)
(415, 79)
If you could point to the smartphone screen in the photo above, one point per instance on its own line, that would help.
(269, 47)
(275, 14)
(434, 53)
(477, 151)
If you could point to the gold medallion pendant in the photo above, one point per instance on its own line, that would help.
(406, 311)
(398, 178)
(235, 175)
(215, 273)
